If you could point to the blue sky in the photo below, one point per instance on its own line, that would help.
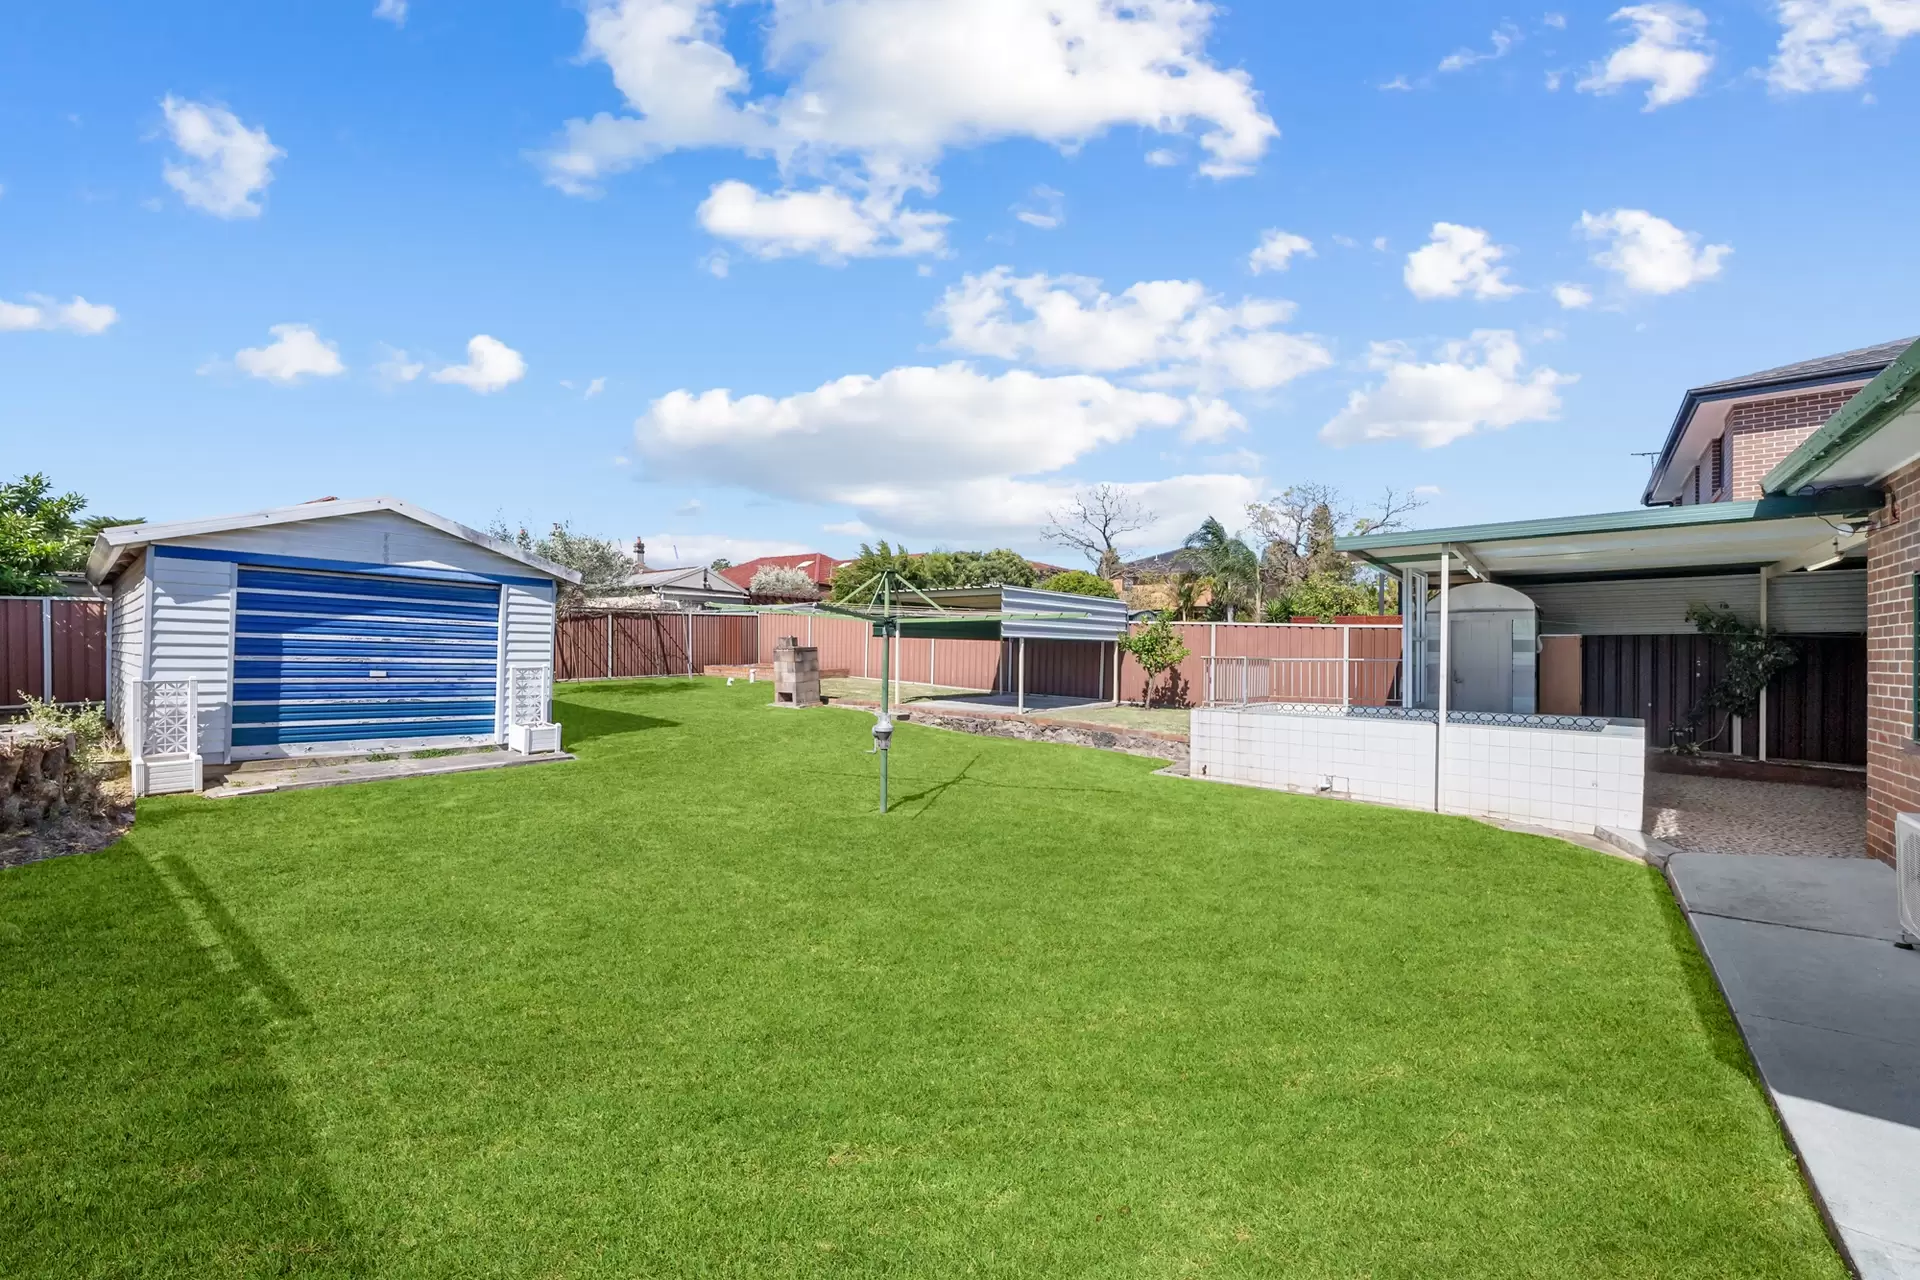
(773, 289)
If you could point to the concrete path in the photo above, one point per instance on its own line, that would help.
(264, 778)
(1830, 1008)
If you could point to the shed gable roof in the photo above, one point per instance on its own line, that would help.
(113, 547)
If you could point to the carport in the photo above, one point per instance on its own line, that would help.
(1059, 645)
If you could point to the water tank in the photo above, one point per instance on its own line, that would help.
(1492, 649)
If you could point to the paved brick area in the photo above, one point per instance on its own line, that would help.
(1730, 815)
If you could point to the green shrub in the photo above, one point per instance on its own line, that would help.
(87, 724)
(1080, 583)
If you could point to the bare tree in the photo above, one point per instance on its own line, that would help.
(1294, 532)
(1095, 522)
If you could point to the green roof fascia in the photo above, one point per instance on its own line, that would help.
(1859, 419)
(1855, 500)
(961, 628)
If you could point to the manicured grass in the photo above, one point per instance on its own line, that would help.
(689, 1007)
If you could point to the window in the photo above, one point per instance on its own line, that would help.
(1719, 466)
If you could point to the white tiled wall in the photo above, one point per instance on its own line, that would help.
(1564, 779)
(1570, 780)
(1385, 761)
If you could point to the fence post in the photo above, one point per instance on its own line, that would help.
(46, 648)
(689, 642)
(1243, 679)
(609, 644)
(1346, 666)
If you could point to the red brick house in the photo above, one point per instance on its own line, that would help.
(1728, 435)
(1874, 440)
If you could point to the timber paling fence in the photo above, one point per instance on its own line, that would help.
(619, 645)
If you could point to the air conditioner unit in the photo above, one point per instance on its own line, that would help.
(1906, 869)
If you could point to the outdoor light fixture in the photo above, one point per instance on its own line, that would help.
(1835, 558)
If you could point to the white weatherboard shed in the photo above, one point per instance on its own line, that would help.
(329, 628)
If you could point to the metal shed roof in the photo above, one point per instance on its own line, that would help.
(113, 547)
(1028, 613)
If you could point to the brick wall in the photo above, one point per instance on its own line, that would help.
(1893, 757)
(1764, 432)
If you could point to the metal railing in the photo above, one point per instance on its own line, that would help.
(1328, 681)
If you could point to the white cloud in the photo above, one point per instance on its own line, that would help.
(1458, 260)
(1572, 297)
(848, 528)
(1166, 332)
(225, 164)
(1379, 244)
(1669, 53)
(1558, 21)
(38, 312)
(1162, 158)
(924, 450)
(673, 550)
(1276, 247)
(1553, 80)
(1399, 84)
(1651, 254)
(1045, 208)
(1475, 385)
(863, 97)
(394, 11)
(594, 388)
(296, 352)
(395, 368)
(491, 365)
(1503, 41)
(824, 222)
(1832, 44)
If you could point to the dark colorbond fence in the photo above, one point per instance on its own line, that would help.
(1816, 709)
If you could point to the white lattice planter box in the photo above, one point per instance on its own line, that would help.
(167, 753)
(533, 739)
(530, 731)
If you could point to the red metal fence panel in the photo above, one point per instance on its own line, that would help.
(78, 631)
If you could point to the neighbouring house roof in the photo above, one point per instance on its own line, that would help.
(1703, 409)
(693, 579)
(113, 547)
(1787, 533)
(817, 565)
(1874, 434)
(1160, 562)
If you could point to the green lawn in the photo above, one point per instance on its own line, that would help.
(688, 1007)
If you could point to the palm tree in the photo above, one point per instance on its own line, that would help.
(1226, 564)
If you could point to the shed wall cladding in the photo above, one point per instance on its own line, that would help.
(127, 646)
(1832, 602)
(190, 636)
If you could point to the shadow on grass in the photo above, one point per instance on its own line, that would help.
(144, 1128)
(582, 724)
(253, 967)
(933, 793)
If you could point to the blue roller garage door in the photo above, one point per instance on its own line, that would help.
(340, 657)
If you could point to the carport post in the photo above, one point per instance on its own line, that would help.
(1021, 696)
(1766, 576)
(1116, 673)
(1445, 681)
